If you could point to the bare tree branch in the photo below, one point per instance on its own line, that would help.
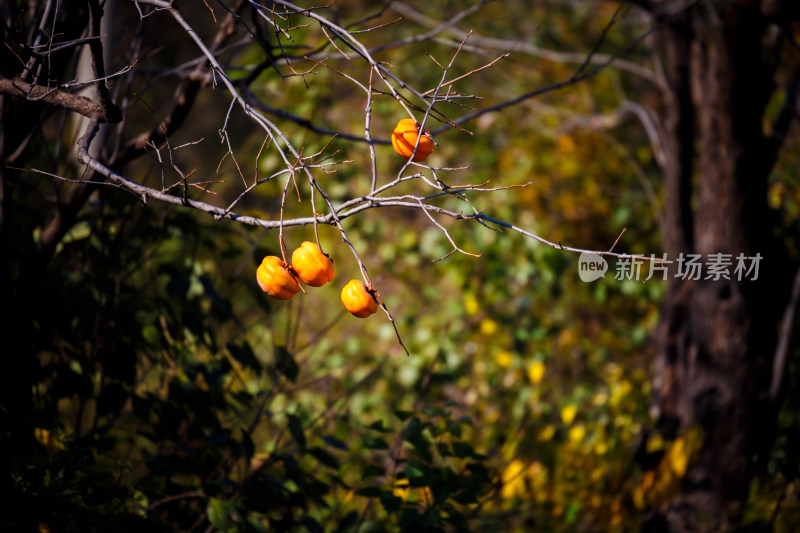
(57, 97)
(185, 93)
(517, 45)
(577, 77)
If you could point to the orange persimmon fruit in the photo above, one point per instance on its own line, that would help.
(314, 267)
(275, 278)
(404, 138)
(358, 300)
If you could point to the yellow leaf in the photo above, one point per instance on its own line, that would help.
(678, 458)
(600, 448)
(536, 372)
(546, 433)
(655, 443)
(568, 413)
(42, 435)
(488, 327)
(503, 359)
(619, 391)
(401, 489)
(513, 480)
(471, 305)
(577, 433)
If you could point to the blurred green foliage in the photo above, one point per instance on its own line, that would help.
(172, 395)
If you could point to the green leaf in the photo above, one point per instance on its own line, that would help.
(296, 429)
(466, 420)
(334, 442)
(79, 231)
(414, 472)
(430, 518)
(454, 428)
(444, 449)
(376, 443)
(372, 526)
(244, 355)
(285, 363)
(219, 513)
(462, 449)
(390, 502)
(312, 525)
(378, 426)
(403, 415)
(324, 457)
(369, 492)
(422, 449)
(347, 523)
(373, 471)
(571, 514)
(410, 520)
(413, 430)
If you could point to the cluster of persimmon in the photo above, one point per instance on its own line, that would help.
(313, 267)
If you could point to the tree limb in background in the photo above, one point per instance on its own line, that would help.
(57, 97)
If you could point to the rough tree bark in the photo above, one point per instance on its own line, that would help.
(717, 339)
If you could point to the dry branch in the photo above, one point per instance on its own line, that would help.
(54, 96)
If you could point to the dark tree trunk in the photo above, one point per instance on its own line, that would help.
(717, 338)
(22, 265)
